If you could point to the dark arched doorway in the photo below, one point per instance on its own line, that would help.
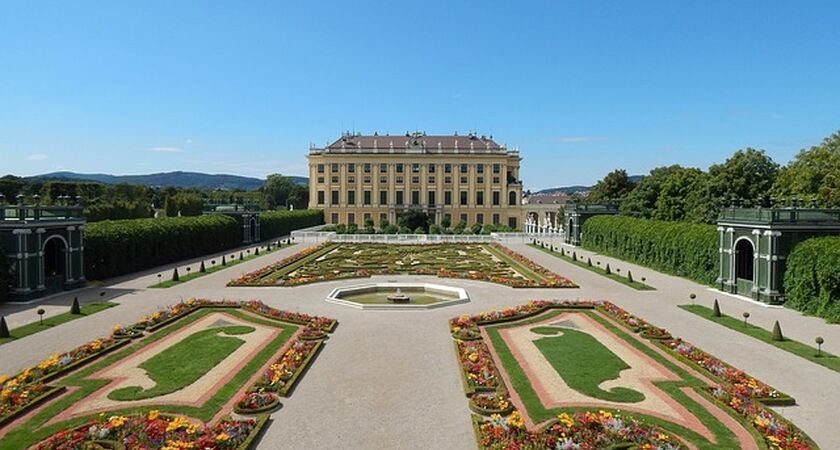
(744, 259)
(55, 263)
(253, 235)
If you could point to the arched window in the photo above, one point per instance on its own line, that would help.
(744, 256)
(512, 198)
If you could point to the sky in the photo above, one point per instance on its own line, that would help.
(581, 87)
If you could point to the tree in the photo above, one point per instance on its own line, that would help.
(280, 191)
(175, 276)
(675, 191)
(641, 201)
(614, 186)
(446, 222)
(4, 328)
(434, 229)
(414, 219)
(777, 332)
(813, 173)
(75, 309)
(716, 309)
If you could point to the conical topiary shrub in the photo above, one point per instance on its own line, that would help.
(574, 256)
(175, 276)
(201, 268)
(257, 251)
(224, 261)
(629, 276)
(589, 262)
(4, 329)
(75, 308)
(241, 256)
(716, 309)
(607, 269)
(777, 332)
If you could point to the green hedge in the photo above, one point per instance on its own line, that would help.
(4, 275)
(280, 223)
(812, 278)
(117, 247)
(679, 248)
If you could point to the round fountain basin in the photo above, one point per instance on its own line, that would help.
(398, 296)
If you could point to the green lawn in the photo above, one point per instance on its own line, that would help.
(635, 284)
(584, 363)
(519, 381)
(184, 277)
(53, 321)
(35, 428)
(184, 363)
(797, 348)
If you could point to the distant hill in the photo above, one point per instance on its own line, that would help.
(580, 188)
(176, 179)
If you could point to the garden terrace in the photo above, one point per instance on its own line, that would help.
(184, 369)
(331, 261)
(593, 375)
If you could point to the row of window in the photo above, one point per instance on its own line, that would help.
(414, 180)
(495, 219)
(415, 167)
(431, 198)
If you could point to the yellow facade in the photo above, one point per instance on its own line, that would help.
(467, 178)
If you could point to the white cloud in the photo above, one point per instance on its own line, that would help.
(37, 157)
(571, 139)
(167, 149)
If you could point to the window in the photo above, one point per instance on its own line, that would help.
(351, 167)
(463, 180)
(415, 180)
(464, 195)
(415, 197)
(367, 180)
(448, 217)
(431, 180)
(321, 180)
(366, 218)
(334, 218)
(447, 198)
(334, 198)
(479, 168)
(415, 168)
(447, 168)
(496, 198)
(383, 168)
(334, 179)
(479, 180)
(447, 180)
(479, 198)
(432, 168)
(351, 180)
(399, 168)
(383, 197)
(512, 222)
(464, 218)
(320, 197)
(320, 168)
(400, 197)
(367, 167)
(465, 168)
(351, 218)
(382, 217)
(334, 167)
(366, 198)
(496, 219)
(495, 180)
(383, 179)
(351, 197)
(399, 180)
(497, 168)
(512, 198)
(479, 218)
(431, 197)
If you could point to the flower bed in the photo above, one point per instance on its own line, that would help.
(322, 323)
(489, 404)
(745, 395)
(578, 431)
(154, 430)
(282, 375)
(256, 403)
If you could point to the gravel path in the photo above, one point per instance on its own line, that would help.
(389, 379)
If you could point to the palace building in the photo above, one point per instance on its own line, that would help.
(379, 177)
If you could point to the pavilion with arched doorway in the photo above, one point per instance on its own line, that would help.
(44, 246)
(754, 244)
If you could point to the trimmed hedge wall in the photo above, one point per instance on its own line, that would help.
(679, 248)
(4, 275)
(812, 278)
(280, 223)
(116, 247)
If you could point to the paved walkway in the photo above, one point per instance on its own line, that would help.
(389, 379)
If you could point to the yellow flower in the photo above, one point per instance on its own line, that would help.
(177, 445)
(116, 421)
(566, 420)
(515, 420)
(177, 423)
(605, 414)
(222, 437)
(473, 357)
(154, 414)
(761, 422)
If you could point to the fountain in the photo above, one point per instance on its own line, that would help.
(398, 297)
(393, 295)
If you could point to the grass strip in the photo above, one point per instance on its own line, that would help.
(54, 321)
(825, 359)
(638, 285)
(214, 268)
(515, 264)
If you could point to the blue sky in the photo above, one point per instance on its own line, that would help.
(581, 87)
